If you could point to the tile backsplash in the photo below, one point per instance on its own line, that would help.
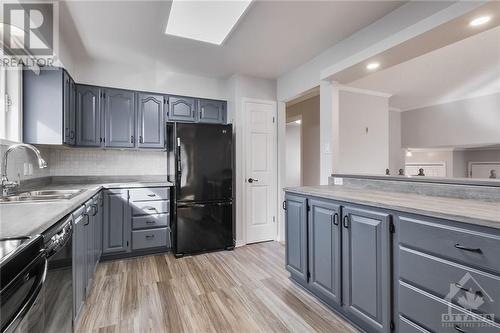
(17, 158)
(99, 162)
(63, 161)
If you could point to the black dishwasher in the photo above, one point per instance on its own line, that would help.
(58, 303)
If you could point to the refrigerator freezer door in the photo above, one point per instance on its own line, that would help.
(203, 227)
(204, 162)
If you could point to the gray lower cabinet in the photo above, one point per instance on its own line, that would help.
(116, 226)
(325, 260)
(79, 255)
(296, 236)
(150, 121)
(88, 116)
(211, 111)
(181, 109)
(89, 246)
(119, 118)
(366, 267)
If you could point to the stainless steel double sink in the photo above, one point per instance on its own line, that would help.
(42, 195)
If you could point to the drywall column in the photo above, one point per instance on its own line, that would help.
(362, 132)
(329, 131)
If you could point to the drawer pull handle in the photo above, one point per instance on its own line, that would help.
(459, 286)
(335, 219)
(152, 208)
(460, 247)
(150, 236)
(346, 221)
(150, 222)
(459, 329)
(151, 195)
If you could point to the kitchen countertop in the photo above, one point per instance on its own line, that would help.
(467, 211)
(32, 218)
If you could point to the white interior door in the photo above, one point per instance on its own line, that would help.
(260, 171)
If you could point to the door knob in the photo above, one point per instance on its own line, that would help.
(251, 180)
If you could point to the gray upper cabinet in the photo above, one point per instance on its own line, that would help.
(119, 118)
(116, 226)
(366, 267)
(325, 259)
(69, 106)
(88, 116)
(296, 236)
(210, 111)
(150, 121)
(181, 109)
(48, 108)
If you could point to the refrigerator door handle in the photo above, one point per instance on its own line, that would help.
(179, 165)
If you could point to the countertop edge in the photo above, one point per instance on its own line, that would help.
(399, 208)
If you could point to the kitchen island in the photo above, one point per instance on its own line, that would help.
(392, 260)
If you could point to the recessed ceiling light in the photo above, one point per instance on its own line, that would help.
(479, 21)
(373, 65)
(207, 21)
(298, 121)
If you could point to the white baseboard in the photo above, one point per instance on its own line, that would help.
(240, 243)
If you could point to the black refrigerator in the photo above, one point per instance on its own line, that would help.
(203, 172)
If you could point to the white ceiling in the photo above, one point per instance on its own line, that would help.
(468, 68)
(272, 38)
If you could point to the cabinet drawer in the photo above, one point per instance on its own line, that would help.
(472, 248)
(406, 326)
(151, 193)
(151, 221)
(432, 313)
(150, 238)
(437, 276)
(150, 207)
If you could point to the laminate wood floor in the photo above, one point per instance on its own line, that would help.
(245, 290)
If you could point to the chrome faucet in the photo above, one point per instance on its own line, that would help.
(8, 185)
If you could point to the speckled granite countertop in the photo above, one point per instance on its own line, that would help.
(31, 218)
(461, 210)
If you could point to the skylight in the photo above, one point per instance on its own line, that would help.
(208, 21)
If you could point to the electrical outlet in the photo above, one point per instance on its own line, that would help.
(338, 181)
(30, 169)
(26, 169)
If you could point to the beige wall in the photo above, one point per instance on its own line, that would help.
(361, 150)
(396, 153)
(474, 121)
(293, 151)
(309, 110)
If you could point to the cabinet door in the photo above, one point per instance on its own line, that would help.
(79, 283)
(150, 121)
(88, 116)
(116, 226)
(98, 228)
(89, 248)
(366, 267)
(296, 236)
(325, 249)
(67, 118)
(119, 118)
(211, 111)
(72, 112)
(181, 109)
